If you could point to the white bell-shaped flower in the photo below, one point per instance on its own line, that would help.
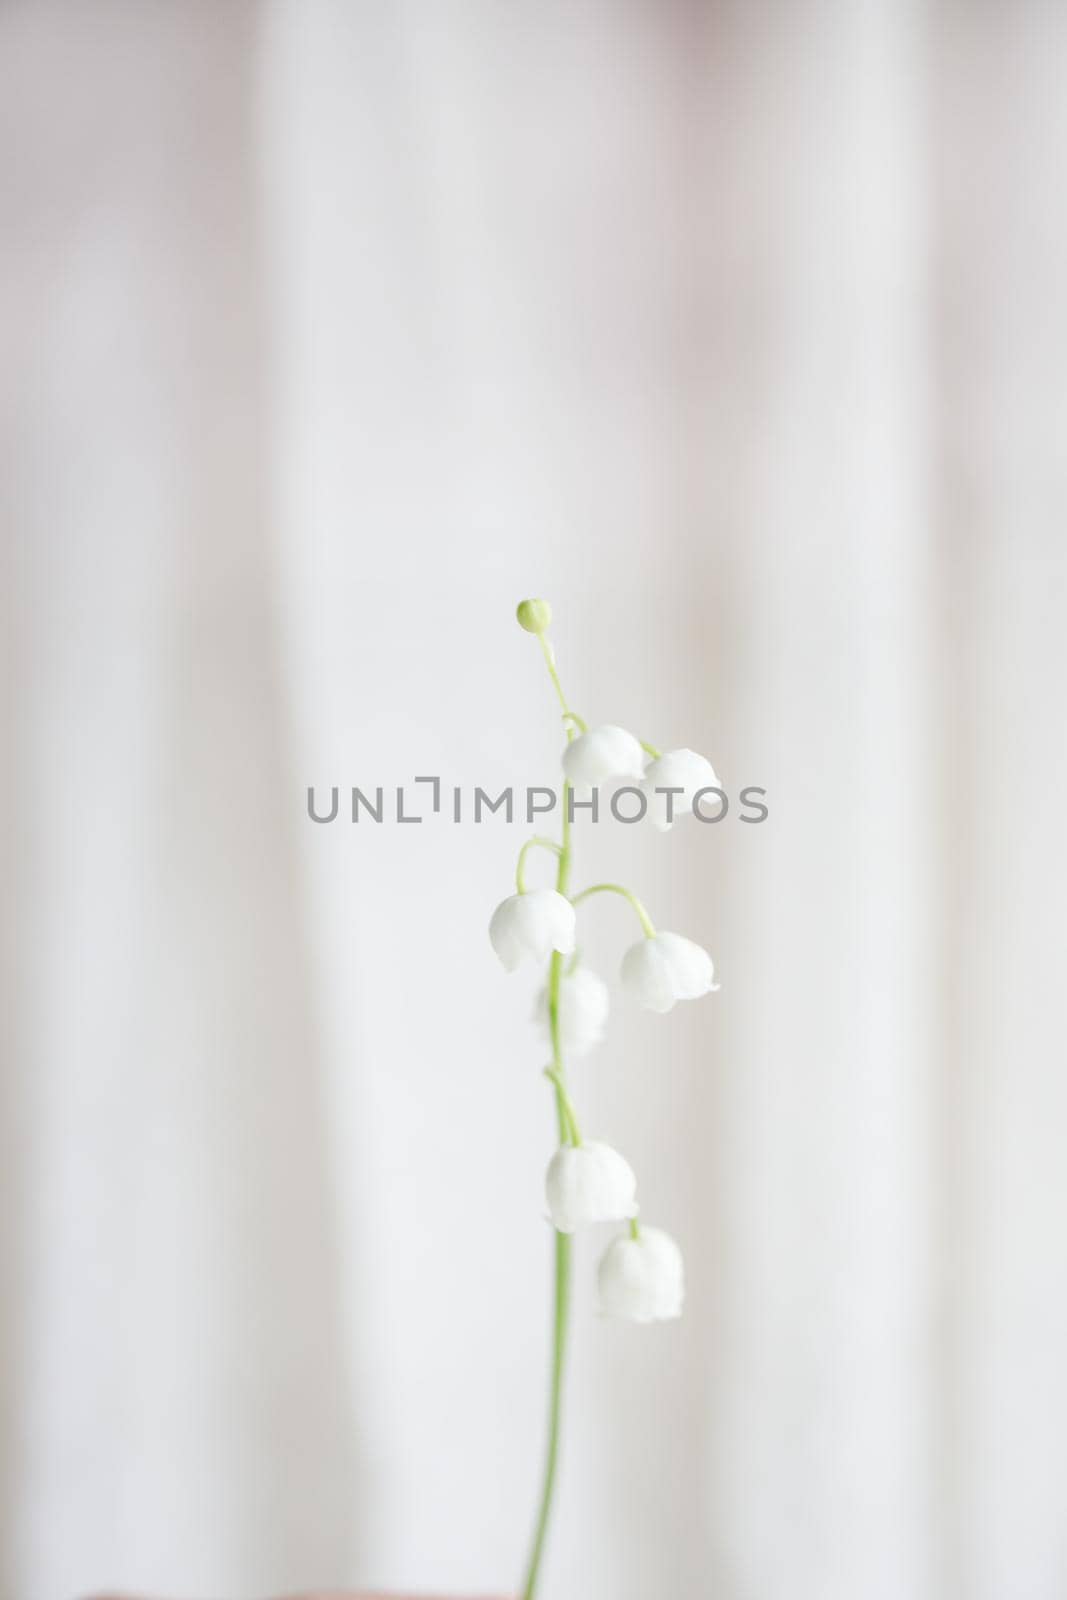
(666, 968)
(532, 924)
(642, 1279)
(589, 1183)
(583, 1011)
(600, 754)
(678, 769)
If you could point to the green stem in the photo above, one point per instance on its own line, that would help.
(550, 663)
(617, 888)
(555, 1406)
(568, 1133)
(574, 1133)
(650, 749)
(520, 865)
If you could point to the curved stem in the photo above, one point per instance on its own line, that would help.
(520, 865)
(617, 888)
(575, 1133)
(550, 663)
(555, 1406)
(650, 749)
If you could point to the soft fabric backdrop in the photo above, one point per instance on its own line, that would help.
(329, 331)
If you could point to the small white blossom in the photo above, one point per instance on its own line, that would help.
(600, 754)
(532, 924)
(589, 1183)
(642, 1279)
(666, 968)
(678, 769)
(583, 1011)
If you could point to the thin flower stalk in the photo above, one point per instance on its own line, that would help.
(640, 1276)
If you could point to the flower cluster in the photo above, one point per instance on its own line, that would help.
(640, 1275)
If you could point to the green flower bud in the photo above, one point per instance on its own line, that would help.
(534, 615)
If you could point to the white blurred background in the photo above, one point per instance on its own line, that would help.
(329, 331)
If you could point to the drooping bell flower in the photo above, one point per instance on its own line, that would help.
(678, 769)
(665, 968)
(532, 924)
(602, 753)
(583, 1011)
(642, 1278)
(588, 1183)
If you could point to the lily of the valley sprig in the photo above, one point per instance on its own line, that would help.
(640, 1276)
